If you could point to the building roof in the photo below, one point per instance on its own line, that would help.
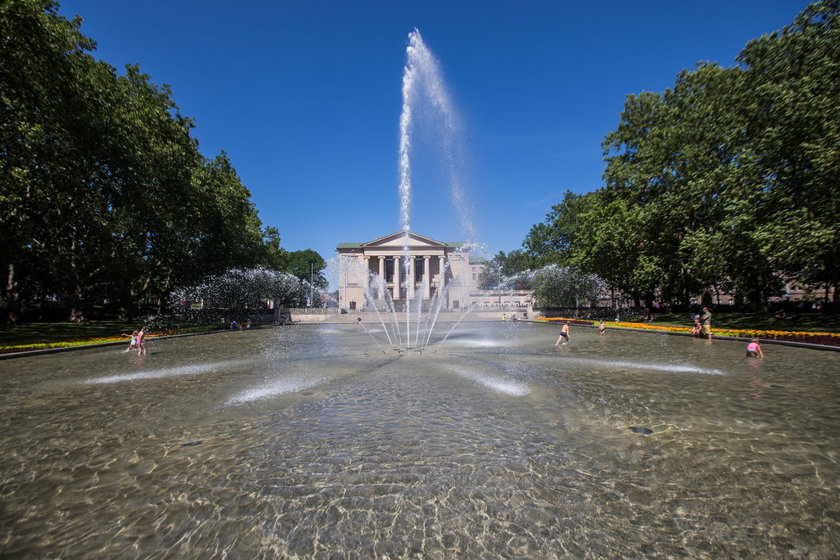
(359, 245)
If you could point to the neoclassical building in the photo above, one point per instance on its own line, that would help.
(377, 272)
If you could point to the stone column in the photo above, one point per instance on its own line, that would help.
(381, 277)
(427, 278)
(411, 278)
(442, 283)
(366, 275)
(397, 278)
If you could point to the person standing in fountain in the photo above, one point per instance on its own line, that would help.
(133, 344)
(706, 319)
(602, 328)
(141, 342)
(564, 335)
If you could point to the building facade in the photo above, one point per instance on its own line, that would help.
(401, 267)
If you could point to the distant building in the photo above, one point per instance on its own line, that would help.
(376, 272)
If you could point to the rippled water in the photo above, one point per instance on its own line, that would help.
(312, 442)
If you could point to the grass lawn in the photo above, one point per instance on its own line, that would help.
(806, 322)
(60, 331)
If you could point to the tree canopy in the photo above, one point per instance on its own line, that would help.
(730, 179)
(104, 195)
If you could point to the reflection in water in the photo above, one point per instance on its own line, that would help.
(166, 372)
(675, 368)
(311, 442)
(501, 385)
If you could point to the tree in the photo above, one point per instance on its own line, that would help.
(237, 292)
(104, 194)
(555, 239)
(556, 286)
(739, 166)
(672, 158)
(273, 254)
(510, 271)
(794, 140)
(307, 265)
(516, 262)
(730, 179)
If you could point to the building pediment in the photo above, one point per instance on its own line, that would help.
(398, 240)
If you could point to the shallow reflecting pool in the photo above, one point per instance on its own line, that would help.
(320, 442)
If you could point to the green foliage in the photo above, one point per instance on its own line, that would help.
(555, 240)
(556, 286)
(510, 271)
(307, 265)
(729, 179)
(104, 195)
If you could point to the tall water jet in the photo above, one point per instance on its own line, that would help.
(423, 82)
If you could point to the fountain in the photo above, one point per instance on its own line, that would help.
(312, 442)
(422, 86)
(309, 442)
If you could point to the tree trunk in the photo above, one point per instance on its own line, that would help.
(12, 297)
(77, 314)
(164, 293)
(762, 297)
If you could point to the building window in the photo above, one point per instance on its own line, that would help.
(389, 269)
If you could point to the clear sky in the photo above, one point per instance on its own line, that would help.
(305, 97)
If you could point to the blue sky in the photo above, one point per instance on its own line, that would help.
(305, 97)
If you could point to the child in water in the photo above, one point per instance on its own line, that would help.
(754, 349)
(602, 328)
(564, 335)
(133, 344)
(697, 329)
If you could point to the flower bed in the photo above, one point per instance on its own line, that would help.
(28, 347)
(822, 338)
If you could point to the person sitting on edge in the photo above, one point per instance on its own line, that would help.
(564, 335)
(697, 329)
(754, 349)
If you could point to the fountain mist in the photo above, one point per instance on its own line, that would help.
(423, 83)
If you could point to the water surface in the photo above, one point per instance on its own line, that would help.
(321, 442)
